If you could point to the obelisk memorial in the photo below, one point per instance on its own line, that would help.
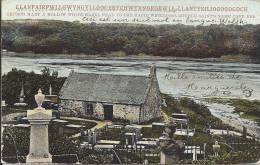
(39, 119)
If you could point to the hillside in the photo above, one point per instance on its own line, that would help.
(44, 36)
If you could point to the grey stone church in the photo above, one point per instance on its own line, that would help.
(107, 96)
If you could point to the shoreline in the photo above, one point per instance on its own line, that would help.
(128, 57)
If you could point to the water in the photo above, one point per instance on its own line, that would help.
(191, 78)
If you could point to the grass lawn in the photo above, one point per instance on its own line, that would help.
(148, 132)
(199, 115)
(74, 130)
(111, 134)
(251, 117)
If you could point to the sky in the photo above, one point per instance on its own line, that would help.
(16, 9)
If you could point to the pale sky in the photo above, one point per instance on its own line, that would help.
(10, 10)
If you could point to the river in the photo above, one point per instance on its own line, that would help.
(197, 79)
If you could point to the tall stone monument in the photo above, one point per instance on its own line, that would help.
(21, 102)
(39, 119)
(170, 149)
(21, 98)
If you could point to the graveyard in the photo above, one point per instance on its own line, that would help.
(201, 138)
(186, 132)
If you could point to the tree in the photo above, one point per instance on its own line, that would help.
(12, 84)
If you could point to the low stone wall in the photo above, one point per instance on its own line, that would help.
(11, 117)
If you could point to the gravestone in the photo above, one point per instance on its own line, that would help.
(170, 149)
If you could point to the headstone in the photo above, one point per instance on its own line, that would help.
(146, 161)
(194, 153)
(166, 159)
(130, 138)
(3, 103)
(158, 126)
(89, 136)
(61, 130)
(216, 148)
(94, 138)
(244, 132)
(170, 149)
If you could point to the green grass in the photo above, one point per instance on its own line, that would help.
(148, 132)
(247, 106)
(250, 108)
(71, 131)
(250, 117)
(111, 134)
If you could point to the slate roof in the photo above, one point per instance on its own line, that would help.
(105, 88)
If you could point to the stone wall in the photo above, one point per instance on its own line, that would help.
(11, 117)
(76, 108)
(152, 105)
(72, 107)
(129, 112)
(98, 111)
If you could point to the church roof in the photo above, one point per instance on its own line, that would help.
(105, 88)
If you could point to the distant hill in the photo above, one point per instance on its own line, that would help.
(42, 36)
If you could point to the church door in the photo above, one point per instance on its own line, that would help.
(108, 112)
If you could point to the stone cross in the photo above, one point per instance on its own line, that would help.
(169, 148)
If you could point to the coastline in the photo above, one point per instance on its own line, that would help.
(134, 58)
(128, 57)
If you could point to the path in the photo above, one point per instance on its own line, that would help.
(166, 117)
(11, 116)
(100, 124)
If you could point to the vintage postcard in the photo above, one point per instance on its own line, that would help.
(130, 81)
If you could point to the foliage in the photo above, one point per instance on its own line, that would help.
(112, 134)
(16, 142)
(198, 114)
(247, 106)
(159, 40)
(249, 109)
(148, 132)
(89, 156)
(247, 156)
(244, 150)
(17, 139)
(12, 83)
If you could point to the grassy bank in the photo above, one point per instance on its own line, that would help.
(248, 109)
(198, 114)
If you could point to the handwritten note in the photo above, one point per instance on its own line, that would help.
(211, 84)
